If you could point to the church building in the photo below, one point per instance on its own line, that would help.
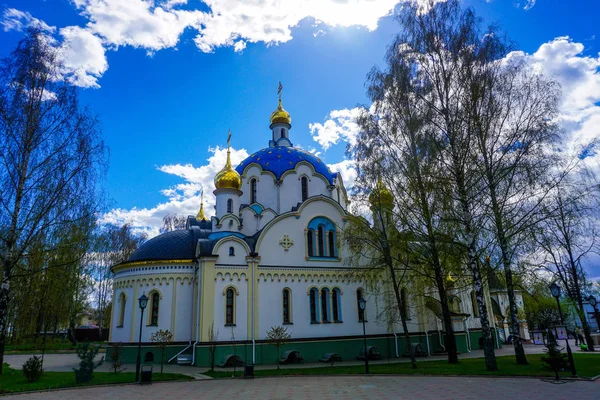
(272, 255)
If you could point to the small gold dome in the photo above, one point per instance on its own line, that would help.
(381, 195)
(228, 178)
(280, 115)
(201, 216)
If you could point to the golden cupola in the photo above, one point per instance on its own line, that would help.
(280, 115)
(201, 216)
(381, 195)
(228, 178)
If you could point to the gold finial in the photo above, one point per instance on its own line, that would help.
(201, 216)
(280, 115)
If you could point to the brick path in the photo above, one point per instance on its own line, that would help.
(338, 387)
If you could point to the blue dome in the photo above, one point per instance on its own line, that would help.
(280, 159)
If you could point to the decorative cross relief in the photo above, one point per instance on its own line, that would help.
(286, 242)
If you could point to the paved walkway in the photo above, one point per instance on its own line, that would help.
(338, 387)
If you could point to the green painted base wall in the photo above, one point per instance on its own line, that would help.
(312, 351)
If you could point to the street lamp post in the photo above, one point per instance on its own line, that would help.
(362, 303)
(593, 303)
(555, 290)
(143, 300)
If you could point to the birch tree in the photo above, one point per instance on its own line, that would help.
(50, 155)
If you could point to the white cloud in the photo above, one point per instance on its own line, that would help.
(529, 4)
(13, 19)
(347, 169)
(183, 198)
(579, 77)
(341, 124)
(156, 25)
(84, 59)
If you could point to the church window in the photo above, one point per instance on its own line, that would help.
(331, 243)
(325, 305)
(405, 308)
(252, 191)
(309, 242)
(454, 303)
(282, 132)
(321, 241)
(287, 306)
(229, 206)
(122, 300)
(321, 238)
(231, 251)
(154, 309)
(313, 305)
(336, 314)
(474, 303)
(304, 184)
(361, 313)
(229, 308)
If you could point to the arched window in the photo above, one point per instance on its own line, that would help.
(122, 300)
(154, 309)
(313, 305)
(405, 308)
(252, 191)
(310, 242)
(231, 251)
(336, 312)
(361, 313)
(331, 243)
(321, 238)
(325, 305)
(229, 307)
(287, 306)
(474, 303)
(304, 185)
(282, 132)
(321, 241)
(454, 303)
(229, 206)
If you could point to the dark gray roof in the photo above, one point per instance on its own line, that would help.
(181, 244)
(175, 245)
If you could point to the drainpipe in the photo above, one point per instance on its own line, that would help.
(467, 336)
(437, 324)
(427, 339)
(396, 343)
(197, 317)
(253, 255)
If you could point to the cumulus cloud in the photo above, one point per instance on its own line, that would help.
(579, 77)
(340, 125)
(181, 199)
(84, 60)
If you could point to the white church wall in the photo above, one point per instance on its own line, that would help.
(122, 333)
(239, 253)
(272, 253)
(291, 187)
(183, 310)
(271, 309)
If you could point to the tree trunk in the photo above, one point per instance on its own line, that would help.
(401, 307)
(488, 343)
(510, 288)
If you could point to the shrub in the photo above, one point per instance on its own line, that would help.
(32, 369)
(86, 354)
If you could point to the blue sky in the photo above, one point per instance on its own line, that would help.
(168, 78)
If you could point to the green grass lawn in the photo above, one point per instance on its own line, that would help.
(13, 380)
(588, 365)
